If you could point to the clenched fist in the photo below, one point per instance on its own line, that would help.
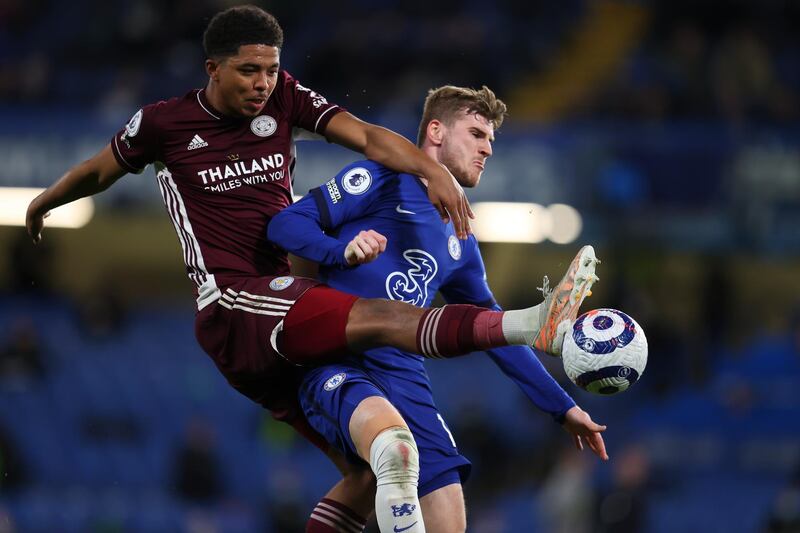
(365, 247)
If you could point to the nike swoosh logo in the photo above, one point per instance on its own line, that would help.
(398, 530)
(404, 212)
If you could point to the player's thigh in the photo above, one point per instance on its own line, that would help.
(313, 331)
(444, 511)
(344, 404)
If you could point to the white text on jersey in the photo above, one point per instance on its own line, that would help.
(197, 142)
(241, 168)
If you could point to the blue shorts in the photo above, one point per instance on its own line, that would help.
(330, 394)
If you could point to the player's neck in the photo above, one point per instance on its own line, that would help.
(214, 98)
(432, 152)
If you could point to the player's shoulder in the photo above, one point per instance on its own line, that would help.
(361, 176)
(284, 77)
(286, 84)
(377, 172)
(176, 103)
(368, 165)
(174, 109)
(286, 88)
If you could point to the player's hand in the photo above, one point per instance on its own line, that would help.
(34, 221)
(448, 197)
(579, 424)
(365, 247)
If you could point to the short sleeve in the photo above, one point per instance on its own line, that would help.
(351, 194)
(468, 283)
(137, 144)
(311, 110)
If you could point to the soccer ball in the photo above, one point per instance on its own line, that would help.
(605, 351)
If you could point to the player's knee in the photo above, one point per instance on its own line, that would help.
(394, 457)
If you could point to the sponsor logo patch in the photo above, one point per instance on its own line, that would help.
(317, 100)
(333, 190)
(278, 284)
(197, 142)
(411, 286)
(263, 125)
(357, 180)
(132, 127)
(334, 381)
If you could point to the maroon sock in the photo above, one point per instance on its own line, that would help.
(451, 330)
(330, 516)
(488, 332)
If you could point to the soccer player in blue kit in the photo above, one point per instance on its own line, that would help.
(375, 234)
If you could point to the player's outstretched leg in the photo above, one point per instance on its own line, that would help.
(561, 303)
(344, 324)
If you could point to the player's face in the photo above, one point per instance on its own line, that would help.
(245, 81)
(466, 144)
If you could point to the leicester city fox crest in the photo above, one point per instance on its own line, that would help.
(411, 286)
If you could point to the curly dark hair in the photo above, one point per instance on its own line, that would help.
(240, 25)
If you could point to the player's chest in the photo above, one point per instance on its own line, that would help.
(213, 154)
(431, 249)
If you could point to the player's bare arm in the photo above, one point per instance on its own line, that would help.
(364, 247)
(85, 179)
(399, 154)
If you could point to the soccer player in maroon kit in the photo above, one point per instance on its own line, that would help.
(224, 157)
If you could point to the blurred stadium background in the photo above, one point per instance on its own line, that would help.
(670, 127)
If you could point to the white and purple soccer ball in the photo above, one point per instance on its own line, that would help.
(605, 351)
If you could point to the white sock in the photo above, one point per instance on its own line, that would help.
(394, 459)
(521, 326)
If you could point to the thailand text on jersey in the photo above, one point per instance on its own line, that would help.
(223, 178)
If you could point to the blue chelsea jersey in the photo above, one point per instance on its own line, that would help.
(422, 255)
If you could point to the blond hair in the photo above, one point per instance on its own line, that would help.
(446, 102)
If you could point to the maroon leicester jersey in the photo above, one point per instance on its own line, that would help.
(223, 178)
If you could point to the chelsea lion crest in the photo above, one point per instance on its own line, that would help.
(278, 284)
(454, 247)
(263, 125)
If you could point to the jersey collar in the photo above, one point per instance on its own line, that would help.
(206, 105)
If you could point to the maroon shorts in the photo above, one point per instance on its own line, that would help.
(250, 332)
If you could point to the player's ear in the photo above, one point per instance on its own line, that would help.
(212, 69)
(435, 131)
